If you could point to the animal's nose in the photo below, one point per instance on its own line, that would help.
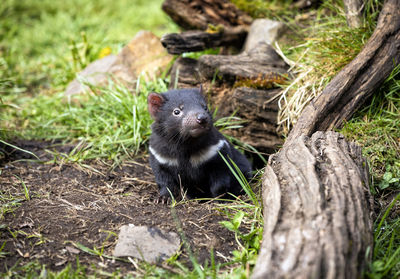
(201, 118)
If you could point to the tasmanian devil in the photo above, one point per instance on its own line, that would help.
(186, 148)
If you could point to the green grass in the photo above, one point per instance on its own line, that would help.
(276, 9)
(43, 44)
(246, 221)
(111, 122)
(386, 253)
(9, 202)
(35, 270)
(37, 38)
(316, 53)
(12, 197)
(376, 129)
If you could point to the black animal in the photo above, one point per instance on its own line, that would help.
(185, 146)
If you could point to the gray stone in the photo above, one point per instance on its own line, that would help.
(263, 30)
(150, 244)
(144, 54)
(95, 73)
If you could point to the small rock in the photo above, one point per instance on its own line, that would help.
(60, 263)
(150, 244)
(94, 73)
(143, 54)
(72, 250)
(263, 30)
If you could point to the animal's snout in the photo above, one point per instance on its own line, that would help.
(201, 118)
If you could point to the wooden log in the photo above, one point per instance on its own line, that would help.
(197, 14)
(261, 62)
(357, 81)
(354, 9)
(259, 108)
(255, 106)
(317, 221)
(184, 73)
(190, 41)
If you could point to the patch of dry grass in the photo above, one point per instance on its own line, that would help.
(321, 50)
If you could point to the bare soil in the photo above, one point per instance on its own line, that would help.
(72, 204)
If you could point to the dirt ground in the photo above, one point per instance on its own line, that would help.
(72, 204)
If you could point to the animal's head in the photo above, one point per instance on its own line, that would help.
(180, 113)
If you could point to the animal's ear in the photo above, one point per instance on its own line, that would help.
(201, 89)
(154, 103)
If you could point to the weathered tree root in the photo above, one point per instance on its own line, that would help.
(197, 14)
(354, 9)
(356, 82)
(317, 221)
(190, 41)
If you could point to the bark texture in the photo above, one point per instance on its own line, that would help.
(317, 221)
(356, 82)
(262, 62)
(185, 73)
(260, 109)
(197, 14)
(354, 10)
(190, 41)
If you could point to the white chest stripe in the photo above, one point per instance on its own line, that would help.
(162, 159)
(206, 154)
(195, 160)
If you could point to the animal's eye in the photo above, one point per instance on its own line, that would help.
(177, 111)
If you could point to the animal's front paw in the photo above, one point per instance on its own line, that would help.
(163, 200)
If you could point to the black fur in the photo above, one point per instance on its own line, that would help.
(182, 129)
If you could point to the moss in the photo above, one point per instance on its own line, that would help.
(262, 81)
(212, 29)
(262, 8)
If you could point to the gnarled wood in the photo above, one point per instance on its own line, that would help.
(254, 106)
(185, 73)
(262, 61)
(190, 41)
(356, 82)
(197, 14)
(354, 10)
(317, 221)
